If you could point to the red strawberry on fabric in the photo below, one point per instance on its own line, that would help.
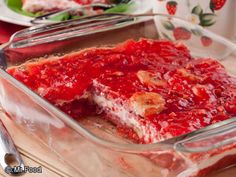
(216, 4)
(171, 7)
(181, 33)
(206, 41)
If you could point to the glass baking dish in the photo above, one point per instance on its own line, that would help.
(91, 146)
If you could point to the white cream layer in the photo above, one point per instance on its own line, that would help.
(110, 106)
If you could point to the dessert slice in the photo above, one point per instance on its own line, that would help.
(35, 6)
(45, 6)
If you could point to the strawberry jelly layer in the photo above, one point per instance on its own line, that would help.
(159, 89)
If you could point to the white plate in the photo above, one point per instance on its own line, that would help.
(10, 16)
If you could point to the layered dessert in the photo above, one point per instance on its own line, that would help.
(155, 89)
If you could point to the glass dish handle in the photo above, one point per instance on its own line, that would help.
(209, 138)
(41, 34)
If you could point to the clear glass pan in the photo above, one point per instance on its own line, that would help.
(91, 146)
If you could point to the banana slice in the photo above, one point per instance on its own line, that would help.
(147, 103)
(189, 75)
(150, 79)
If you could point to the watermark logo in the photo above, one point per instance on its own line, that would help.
(25, 169)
